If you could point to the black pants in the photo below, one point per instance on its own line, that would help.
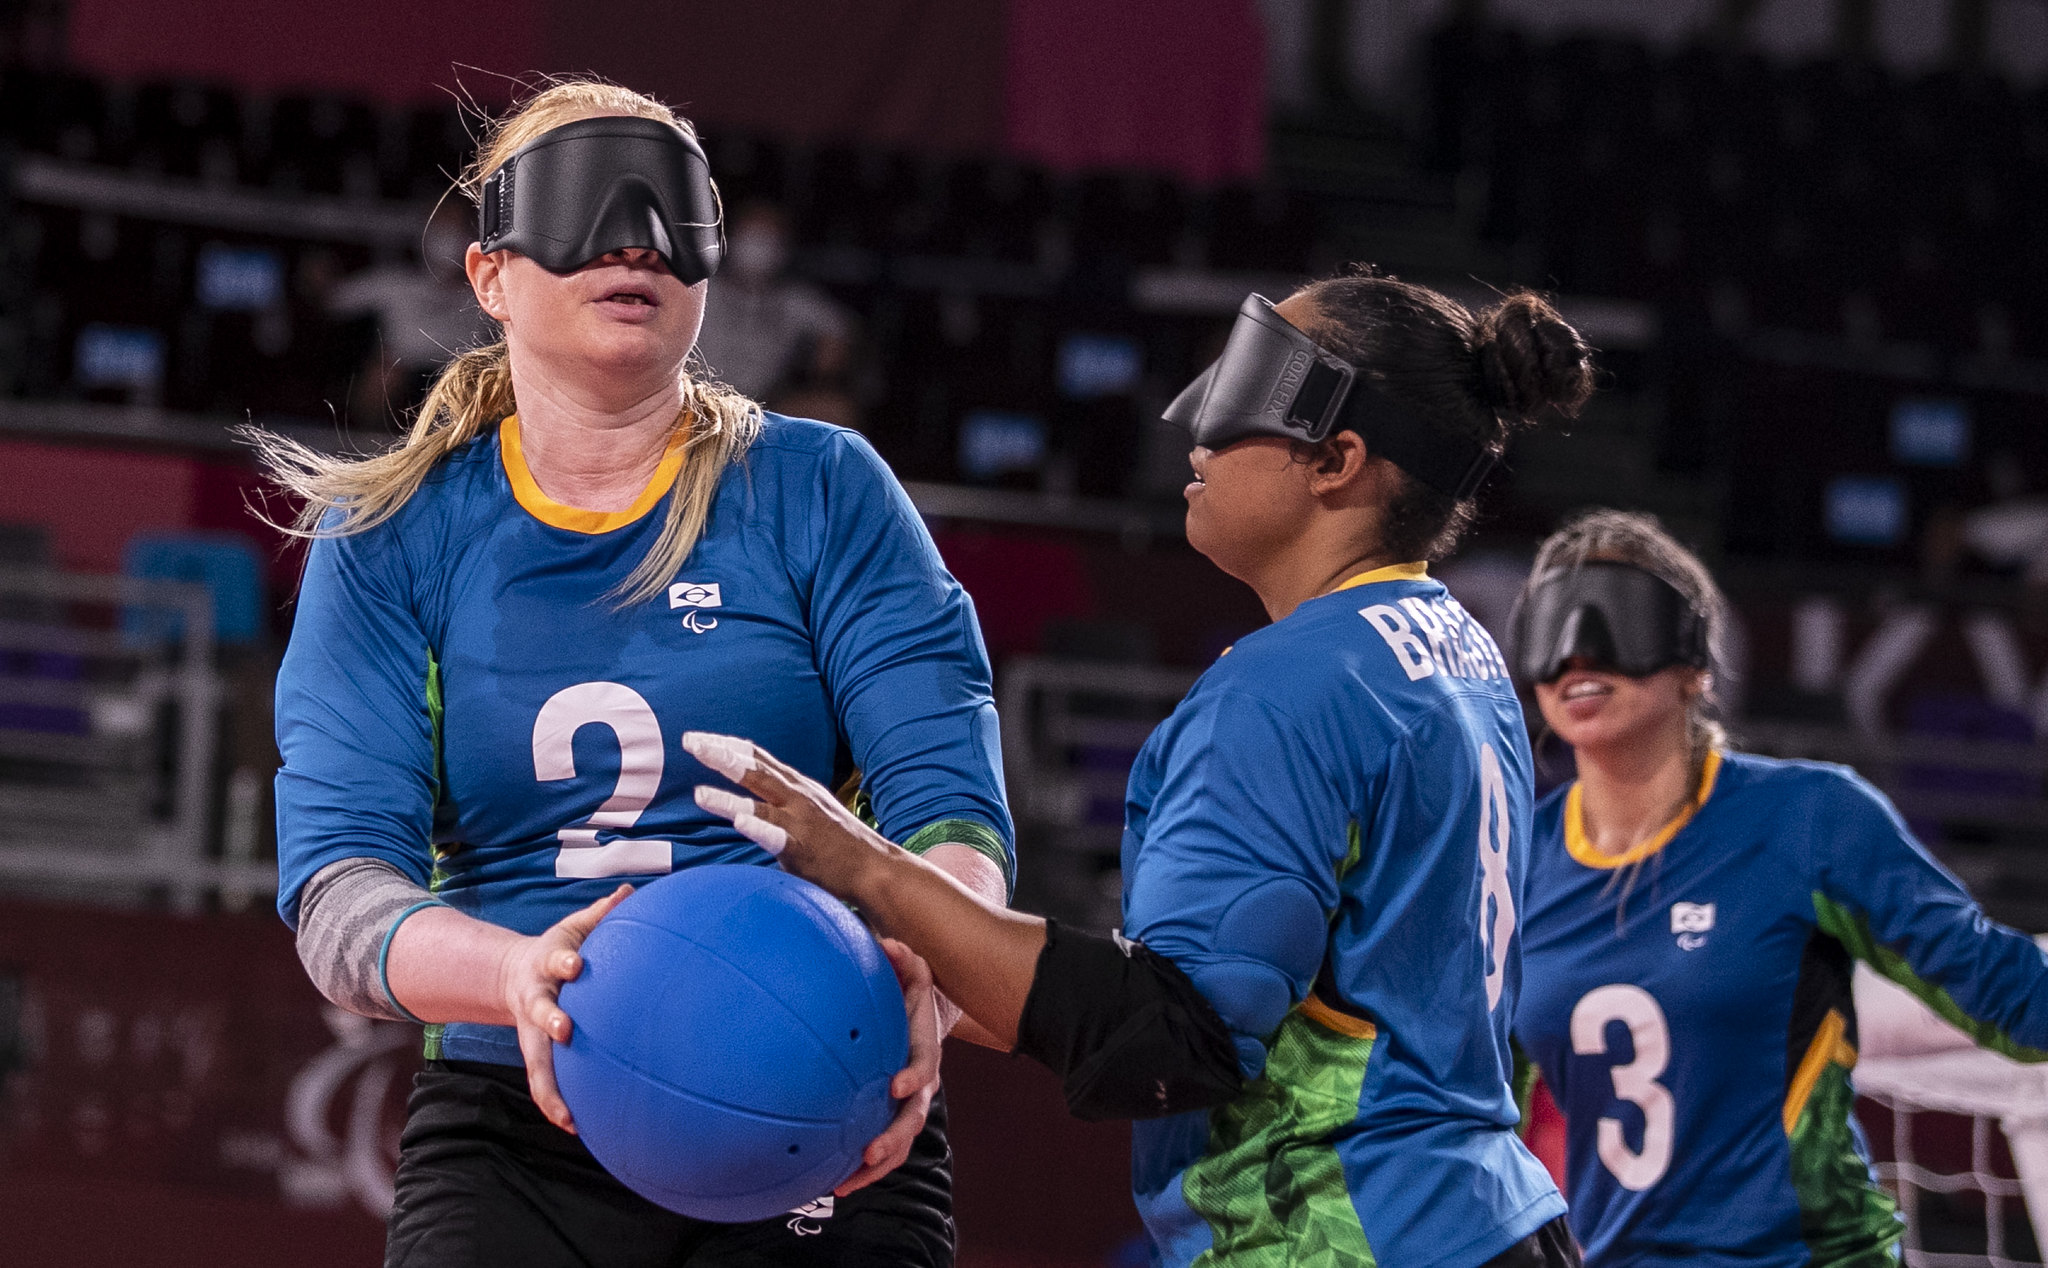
(485, 1182)
(1548, 1247)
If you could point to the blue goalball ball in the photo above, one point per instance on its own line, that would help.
(735, 1031)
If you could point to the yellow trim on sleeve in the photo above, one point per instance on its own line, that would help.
(577, 520)
(1392, 572)
(1581, 847)
(1343, 1023)
(1828, 1046)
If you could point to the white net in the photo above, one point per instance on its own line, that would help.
(1968, 1145)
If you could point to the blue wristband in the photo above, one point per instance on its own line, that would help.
(384, 958)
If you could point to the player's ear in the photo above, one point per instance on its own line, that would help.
(1338, 462)
(487, 278)
(1692, 683)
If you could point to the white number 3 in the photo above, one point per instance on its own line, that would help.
(1634, 1082)
(1497, 896)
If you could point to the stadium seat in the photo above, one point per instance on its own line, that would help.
(226, 563)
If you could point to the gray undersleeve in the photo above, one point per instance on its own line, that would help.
(346, 912)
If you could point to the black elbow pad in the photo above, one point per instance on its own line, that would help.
(1125, 1030)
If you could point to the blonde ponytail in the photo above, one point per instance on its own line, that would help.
(340, 495)
(472, 392)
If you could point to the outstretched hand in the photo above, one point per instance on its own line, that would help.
(982, 956)
(796, 819)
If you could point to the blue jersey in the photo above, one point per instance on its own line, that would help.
(464, 699)
(1689, 1006)
(1329, 837)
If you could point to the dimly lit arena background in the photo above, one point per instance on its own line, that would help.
(1808, 238)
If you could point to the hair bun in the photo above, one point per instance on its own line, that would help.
(1530, 359)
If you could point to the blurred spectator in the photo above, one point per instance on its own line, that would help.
(2012, 532)
(425, 313)
(2012, 535)
(772, 337)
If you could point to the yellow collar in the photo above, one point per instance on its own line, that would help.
(577, 520)
(1581, 848)
(1392, 572)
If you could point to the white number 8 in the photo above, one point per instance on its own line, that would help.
(1634, 1082)
(1496, 895)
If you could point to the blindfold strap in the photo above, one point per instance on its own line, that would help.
(494, 208)
(1330, 399)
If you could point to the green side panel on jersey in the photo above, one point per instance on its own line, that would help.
(1271, 1186)
(434, 706)
(437, 877)
(1352, 854)
(1523, 1083)
(1853, 932)
(1846, 1220)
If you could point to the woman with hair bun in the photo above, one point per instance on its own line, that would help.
(1692, 918)
(581, 550)
(1324, 845)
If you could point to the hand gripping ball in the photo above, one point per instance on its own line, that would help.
(735, 1032)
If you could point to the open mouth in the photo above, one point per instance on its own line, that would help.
(1586, 688)
(631, 297)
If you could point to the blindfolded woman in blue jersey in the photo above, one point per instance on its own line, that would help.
(1324, 844)
(582, 550)
(1692, 917)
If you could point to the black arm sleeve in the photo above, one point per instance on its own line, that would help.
(1129, 1035)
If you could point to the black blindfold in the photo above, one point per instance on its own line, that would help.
(1273, 380)
(594, 186)
(1616, 616)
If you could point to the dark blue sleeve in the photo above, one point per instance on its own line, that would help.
(357, 710)
(1241, 853)
(902, 656)
(1879, 892)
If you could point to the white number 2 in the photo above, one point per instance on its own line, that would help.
(638, 732)
(1496, 926)
(1635, 1081)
